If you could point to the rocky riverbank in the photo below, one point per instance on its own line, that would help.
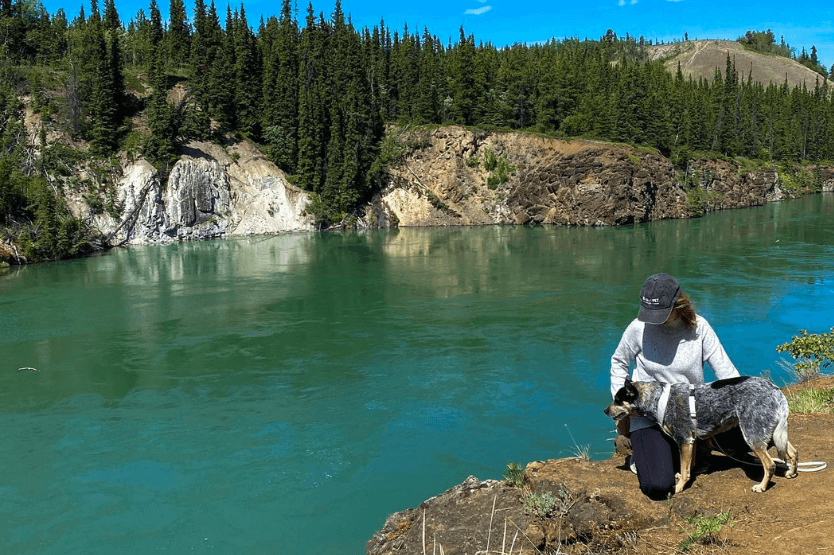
(447, 176)
(598, 508)
(452, 177)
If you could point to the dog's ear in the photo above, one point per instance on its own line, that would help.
(628, 392)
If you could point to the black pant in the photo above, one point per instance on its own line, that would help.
(657, 458)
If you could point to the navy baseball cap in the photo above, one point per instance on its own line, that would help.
(657, 299)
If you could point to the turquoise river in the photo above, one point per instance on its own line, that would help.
(286, 394)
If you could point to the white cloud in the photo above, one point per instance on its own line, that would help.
(478, 11)
(631, 2)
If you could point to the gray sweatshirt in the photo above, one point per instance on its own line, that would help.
(668, 353)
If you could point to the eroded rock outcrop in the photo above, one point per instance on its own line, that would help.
(445, 181)
(211, 191)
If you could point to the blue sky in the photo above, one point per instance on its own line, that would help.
(504, 22)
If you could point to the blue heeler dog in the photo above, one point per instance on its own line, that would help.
(755, 405)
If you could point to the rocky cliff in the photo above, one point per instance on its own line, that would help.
(451, 178)
(211, 191)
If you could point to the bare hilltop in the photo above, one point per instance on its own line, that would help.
(700, 58)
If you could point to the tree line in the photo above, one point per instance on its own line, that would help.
(317, 95)
(765, 42)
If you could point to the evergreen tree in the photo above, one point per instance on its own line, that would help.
(281, 90)
(155, 31)
(427, 103)
(200, 51)
(161, 144)
(178, 37)
(137, 41)
(312, 113)
(463, 80)
(247, 71)
(111, 16)
(222, 82)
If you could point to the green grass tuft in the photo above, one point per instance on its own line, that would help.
(706, 530)
(812, 400)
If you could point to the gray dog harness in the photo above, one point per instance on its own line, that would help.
(664, 401)
(692, 404)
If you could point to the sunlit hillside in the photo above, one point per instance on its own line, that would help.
(701, 58)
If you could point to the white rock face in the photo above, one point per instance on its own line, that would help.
(208, 194)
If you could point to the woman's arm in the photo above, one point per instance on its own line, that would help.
(626, 352)
(715, 354)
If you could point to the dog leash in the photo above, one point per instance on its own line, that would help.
(811, 466)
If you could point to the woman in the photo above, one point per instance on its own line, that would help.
(668, 343)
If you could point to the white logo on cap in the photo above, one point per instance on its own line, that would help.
(651, 301)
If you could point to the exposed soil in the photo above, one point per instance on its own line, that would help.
(601, 509)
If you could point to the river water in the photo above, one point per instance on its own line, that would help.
(286, 394)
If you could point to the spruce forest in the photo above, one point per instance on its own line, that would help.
(318, 95)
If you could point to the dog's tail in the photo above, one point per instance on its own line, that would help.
(787, 452)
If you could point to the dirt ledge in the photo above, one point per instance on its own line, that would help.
(603, 511)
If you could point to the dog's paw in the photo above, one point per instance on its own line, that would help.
(758, 488)
(679, 483)
(790, 475)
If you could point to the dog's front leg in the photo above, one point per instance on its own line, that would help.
(687, 449)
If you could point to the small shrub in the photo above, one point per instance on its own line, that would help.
(132, 143)
(472, 162)
(514, 475)
(706, 530)
(634, 159)
(493, 182)
(813, 352)
(500, 169)
(490, 160)
(111, 205)
(60, 159)
(546, 504)
(540, 504)
(418, 143)
(696, 197)
(94, 201)
(680, 157)
(437, 203)
(798, 179)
